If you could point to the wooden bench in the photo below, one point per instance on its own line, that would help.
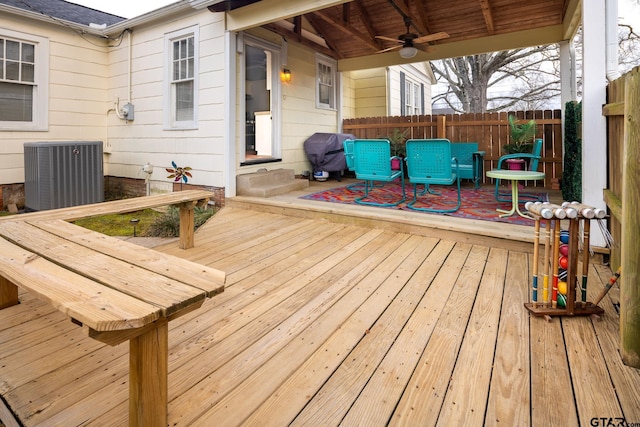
(115, 290)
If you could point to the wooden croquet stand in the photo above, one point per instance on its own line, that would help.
(572, 307)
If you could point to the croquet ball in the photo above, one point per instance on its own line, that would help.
(562, 287)
(563, 262)
(562, 274)
(564, 250)
(564, 238)
(562, 301)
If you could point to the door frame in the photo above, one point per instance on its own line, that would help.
(276, 96)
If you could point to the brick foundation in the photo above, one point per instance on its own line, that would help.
(114, 188)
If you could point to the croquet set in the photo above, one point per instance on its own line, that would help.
(561, 292)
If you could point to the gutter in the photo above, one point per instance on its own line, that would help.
(611, 39)
(99, 30)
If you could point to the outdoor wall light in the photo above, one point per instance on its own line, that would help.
(285, 75)
(408, 52)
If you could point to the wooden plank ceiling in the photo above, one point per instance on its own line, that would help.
(352, 29)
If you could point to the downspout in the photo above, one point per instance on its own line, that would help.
(611, 39)
(129, 90)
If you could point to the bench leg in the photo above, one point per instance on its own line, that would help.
(8, 293)
(187, 224)
(148, 373)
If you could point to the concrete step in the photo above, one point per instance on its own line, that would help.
(269, 183)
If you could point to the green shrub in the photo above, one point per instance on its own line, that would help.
(168, 225)
(572, 166)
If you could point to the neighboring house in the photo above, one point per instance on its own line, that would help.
(398, 90)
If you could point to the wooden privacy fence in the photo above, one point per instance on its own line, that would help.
(623, 200)
(489, 130)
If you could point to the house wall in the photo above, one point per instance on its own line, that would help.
(348, 98)
(300, 118)
(146, 139)
(371, 89)
(90, 81)
(78, 71)
(376, 92)
(416, 72)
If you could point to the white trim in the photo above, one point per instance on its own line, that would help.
(275, 87)
(594, 126)
(168, 99)
(230, 119)
(40, 118)
(325, 60)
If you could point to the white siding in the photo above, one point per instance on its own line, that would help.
(77, 93)
(133, 144)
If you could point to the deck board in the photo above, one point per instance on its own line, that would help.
(327, 323)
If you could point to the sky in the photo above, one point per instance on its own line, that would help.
(628, 10)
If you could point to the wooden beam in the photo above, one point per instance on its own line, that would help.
(266, 11)
(187, 224)
(630, 246)
(347, 29)
(613, 109)
(8, 293)
(521, 39)
(488, 15)
(614, 203)
(318, 25)
(417, 24)
(423, 16)
(365, 18)
(291, 35)
(572, 19)
(148, 377)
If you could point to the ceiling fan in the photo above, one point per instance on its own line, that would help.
(409, 40)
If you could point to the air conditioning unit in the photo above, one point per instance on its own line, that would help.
(62, 174)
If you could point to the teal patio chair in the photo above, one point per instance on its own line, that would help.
(347, 144)
(429, 161)
(351, 164)
(533, 157)
(372, 163)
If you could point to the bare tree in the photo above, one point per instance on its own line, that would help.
(629, 42)
(522, 79)
(473, 82)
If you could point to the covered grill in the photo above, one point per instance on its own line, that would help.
(325, 151)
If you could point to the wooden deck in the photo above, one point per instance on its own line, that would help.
(328, 321)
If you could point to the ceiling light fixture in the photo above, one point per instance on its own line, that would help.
(408, 52)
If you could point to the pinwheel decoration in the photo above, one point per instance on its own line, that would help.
(179, 174)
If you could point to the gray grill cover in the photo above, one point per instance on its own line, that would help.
(326, 152)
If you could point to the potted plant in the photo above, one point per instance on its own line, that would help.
(520, 141)
(398, 139)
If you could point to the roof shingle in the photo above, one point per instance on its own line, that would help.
(61, 9)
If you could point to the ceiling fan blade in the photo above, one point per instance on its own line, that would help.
(389, 39)
(431, 37)
(389, 49)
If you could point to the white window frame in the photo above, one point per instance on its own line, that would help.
(40, 107)
(333, 65)
(412, 98)
(170, 121)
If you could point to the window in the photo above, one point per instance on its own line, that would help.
(326, 83)
(182, 77)
(411, 96)
(23, 82)
(412, 99)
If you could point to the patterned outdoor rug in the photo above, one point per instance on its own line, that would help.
(476, 204)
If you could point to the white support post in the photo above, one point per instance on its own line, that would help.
(594, 88)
